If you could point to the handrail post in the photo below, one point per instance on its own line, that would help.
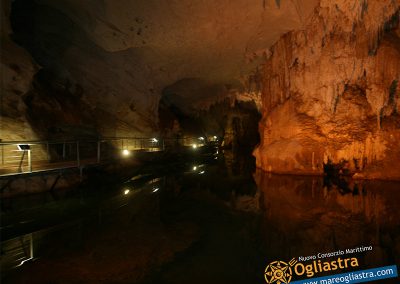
(31, 246)
(29, 161)
(78, 160)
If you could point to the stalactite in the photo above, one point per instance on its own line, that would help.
(343, 78)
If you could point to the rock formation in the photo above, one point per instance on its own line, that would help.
(113, 58)
(231, 112)
(331, 93)
(17, 71)
(329, 86)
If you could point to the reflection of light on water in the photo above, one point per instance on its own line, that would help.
(154, 180)
(22, 262)
(202, 172)
(155, 189)
(30, 239)
(126, 191)
(198, 168)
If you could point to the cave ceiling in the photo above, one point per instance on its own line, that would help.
(214, 40)
(121, 55)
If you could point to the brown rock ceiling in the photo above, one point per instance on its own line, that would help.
(120, 55)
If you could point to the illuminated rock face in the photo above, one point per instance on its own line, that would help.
(331, 92)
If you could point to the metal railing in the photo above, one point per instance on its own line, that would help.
(30, 156)
(19, 157)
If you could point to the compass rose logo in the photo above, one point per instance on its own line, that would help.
(279, 272)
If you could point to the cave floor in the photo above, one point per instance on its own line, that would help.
(219, 222)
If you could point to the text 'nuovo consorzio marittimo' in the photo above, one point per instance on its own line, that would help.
(335, 253)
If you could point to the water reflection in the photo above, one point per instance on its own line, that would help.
(303, 216)
(200, 223)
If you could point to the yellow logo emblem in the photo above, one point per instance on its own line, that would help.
(279, 272)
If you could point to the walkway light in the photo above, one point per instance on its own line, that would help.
(195, 168)
(215, 137)
(155, 189)
(125, 152)
(23, 147)
(126, 191)
(194, 146)
(154, 140)
(202, 172)
(201, 138)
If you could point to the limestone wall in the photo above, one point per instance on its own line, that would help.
(331, 92)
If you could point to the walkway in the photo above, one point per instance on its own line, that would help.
(26, 157)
